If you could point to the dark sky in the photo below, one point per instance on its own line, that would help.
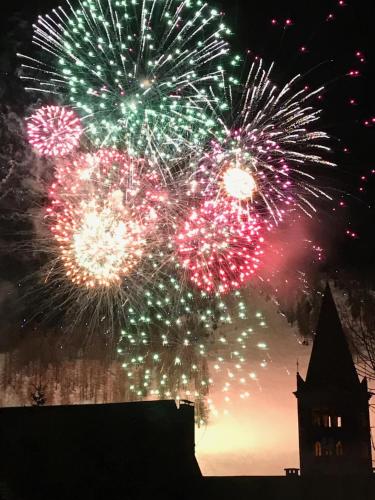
(320, 42)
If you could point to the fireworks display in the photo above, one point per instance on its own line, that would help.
(54, 131)
(183, 184)
(141, 74)
(272, 148)
(167, 350)
(220, 245)
(104, 211)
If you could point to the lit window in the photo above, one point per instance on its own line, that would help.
(339, 422)
(333, 421)
(318, 449)
(339, 449)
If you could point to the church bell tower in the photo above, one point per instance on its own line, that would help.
(333, 405)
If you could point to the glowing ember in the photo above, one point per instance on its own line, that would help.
(239, 183)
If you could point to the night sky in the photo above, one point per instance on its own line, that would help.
(331, 43)
(324, 41)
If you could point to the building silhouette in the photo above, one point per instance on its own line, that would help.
(333, 404)
(124, 451)
(136, 451)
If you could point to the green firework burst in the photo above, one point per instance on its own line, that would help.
(147, 75)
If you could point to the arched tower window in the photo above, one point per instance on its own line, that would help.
(326, 420)
(339, 449)
(318, 449)
(328, 447)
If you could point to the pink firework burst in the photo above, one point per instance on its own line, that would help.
(220, 245)
(54, 130)
(104, 213)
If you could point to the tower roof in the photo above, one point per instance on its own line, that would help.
(331, 363)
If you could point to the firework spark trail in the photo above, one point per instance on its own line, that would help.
(183, 355)
(272, 140)
(141, 76)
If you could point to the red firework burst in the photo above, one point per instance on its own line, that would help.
(54, 130)
(220, 244)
